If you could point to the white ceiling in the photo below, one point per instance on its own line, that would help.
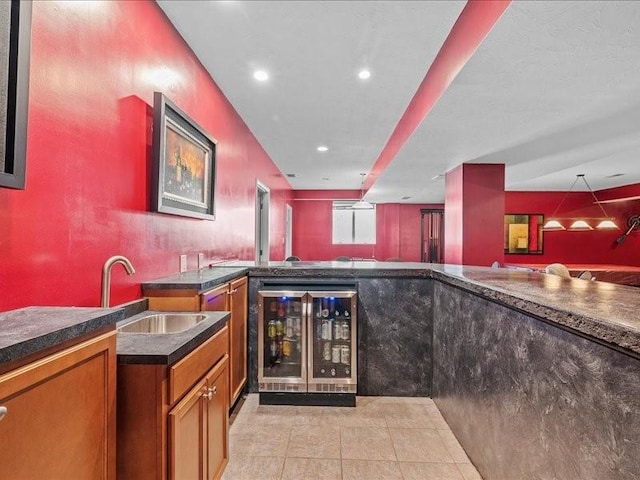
(553, 91)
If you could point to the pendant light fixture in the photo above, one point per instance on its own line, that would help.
(579, 225)
(362, 204)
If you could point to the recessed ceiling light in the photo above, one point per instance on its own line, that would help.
(364, 74)
(322, 148)
(261, 75)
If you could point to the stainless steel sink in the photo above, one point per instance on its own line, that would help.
(163, 323)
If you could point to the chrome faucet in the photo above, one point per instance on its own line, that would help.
(106, 275)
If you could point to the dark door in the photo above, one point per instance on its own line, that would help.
(432, 236)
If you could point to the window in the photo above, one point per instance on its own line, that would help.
(353, 226)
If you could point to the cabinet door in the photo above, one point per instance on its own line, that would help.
(60, 420)
(238, 338)
(217, 420)
(215, 300)
(186, 435)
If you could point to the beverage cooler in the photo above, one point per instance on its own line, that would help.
(307, 342)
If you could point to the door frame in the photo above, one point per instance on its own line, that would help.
(288, 231)
(263, 198)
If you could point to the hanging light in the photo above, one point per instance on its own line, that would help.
(362, 204)
(579, 225)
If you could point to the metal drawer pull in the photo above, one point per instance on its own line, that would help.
(3, 412)
(232, 291)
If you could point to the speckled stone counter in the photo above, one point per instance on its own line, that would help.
(603, 311)
(29, 330)
(166, 349)
(196, 280)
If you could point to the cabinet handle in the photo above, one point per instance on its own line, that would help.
(3, 412)
(232, 291)
(213, 390)
(208, 395)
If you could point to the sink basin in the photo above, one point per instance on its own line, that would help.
(163, 323)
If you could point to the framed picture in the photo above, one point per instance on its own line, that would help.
(15, 46)
(523, 233)
(184, 163)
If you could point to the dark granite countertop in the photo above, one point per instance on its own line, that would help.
(32, 329)
(200, 280)
(356, 269)
(166, 349)
(604, 311)
(601, 310)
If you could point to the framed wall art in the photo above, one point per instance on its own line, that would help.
(184, 163)
(523, 233)
(15, 46)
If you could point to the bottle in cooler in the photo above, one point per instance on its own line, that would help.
(335, 354)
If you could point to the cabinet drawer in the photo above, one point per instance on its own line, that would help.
(184, 374)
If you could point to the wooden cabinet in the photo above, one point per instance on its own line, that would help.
(228, 297)
(238, 338)
(60, 414)
(235, 294)
(198, 428)
(173, 419)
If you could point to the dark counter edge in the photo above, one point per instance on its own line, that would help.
(180, 344)
(609, 333)
(619, 337)
(36, 344)
(187, 280)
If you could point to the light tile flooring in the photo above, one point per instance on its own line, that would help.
(386, 438)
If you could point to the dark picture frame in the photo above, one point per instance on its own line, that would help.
(15, 51)
(184, 163)
(523, 234)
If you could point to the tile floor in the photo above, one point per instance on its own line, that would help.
(386, 438)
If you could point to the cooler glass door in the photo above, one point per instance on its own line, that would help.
(332, 342)
(282, 350)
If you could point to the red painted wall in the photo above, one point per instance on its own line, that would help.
(397, 233)
(94, 68)
(474, 214)
(595, 246)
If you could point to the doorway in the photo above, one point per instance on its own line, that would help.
(288, 232)
(432, 235)
(262, 222)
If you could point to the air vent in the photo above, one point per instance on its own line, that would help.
(290, 175)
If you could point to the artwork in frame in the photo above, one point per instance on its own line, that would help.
(15, 46)
(184, 163)
(523, 233)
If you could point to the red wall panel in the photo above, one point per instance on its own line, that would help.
(474, 214)
(597, 247)
(397, 232)
(94, 68)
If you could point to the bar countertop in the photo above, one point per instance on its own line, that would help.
(601, 310)
(29, 330)
(166, 348)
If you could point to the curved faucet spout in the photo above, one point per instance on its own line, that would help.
(106, 275)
